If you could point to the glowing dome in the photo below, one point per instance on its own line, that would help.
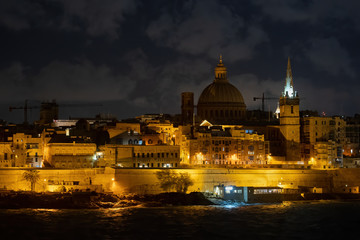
(221, 102)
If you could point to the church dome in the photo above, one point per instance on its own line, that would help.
(221, 92)
(221, 101)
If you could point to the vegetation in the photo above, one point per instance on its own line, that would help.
(170, 180)
(31, 176)
(184, 181)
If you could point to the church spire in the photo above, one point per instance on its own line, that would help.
(289, 74)
(289, 85)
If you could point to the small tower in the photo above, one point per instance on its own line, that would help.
(290, 117)
(48, 112)
(187, 107)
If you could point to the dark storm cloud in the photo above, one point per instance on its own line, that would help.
(328, 55)
(18, 14)
(98, 18)
(65, 81)
(138, 56)
(209, 28)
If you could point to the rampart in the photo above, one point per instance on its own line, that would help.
(144, 181)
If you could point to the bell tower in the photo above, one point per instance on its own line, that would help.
(187, 107)
(290, 117)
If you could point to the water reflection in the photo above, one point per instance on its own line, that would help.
(289, 220)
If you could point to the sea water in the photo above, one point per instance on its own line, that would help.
(324, 219)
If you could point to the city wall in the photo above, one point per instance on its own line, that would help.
(144, 181)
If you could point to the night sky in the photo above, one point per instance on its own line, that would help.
(136, 57)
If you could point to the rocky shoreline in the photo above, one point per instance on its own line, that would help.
(93, 200)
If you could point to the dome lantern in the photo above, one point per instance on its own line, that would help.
(220, 72)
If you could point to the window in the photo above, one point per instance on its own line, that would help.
(150, 141)
(292, 109)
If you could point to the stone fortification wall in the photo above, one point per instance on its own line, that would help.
(345, 177)
(145, 181)
(51, 179)
(142, 181)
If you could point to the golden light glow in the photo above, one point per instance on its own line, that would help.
(199, 156)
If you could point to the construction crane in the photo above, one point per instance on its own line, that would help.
(25, 108)
(47, 108)
(263, 100)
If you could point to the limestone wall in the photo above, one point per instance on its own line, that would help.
(11, 179)
(145, 181)
(121, 181)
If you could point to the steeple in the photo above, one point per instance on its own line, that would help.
(289, 85)
(220, 71)
(290, 118)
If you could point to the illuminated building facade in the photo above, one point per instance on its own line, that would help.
(6, 155)
(352, 146)
(323, 140)
(25, 151)
(65, 152)
(218, 147)
(221, 102)
(158, 156)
